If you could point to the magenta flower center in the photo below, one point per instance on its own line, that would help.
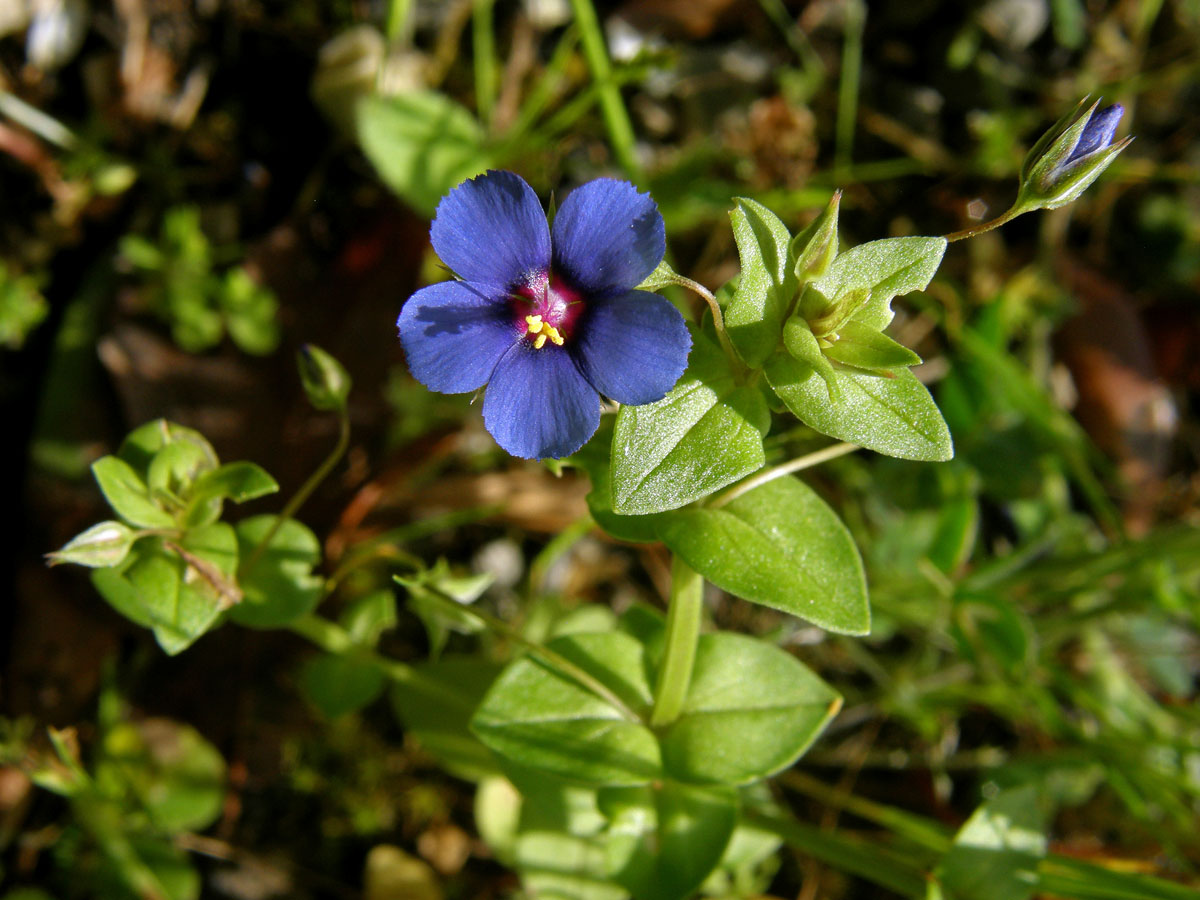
(546, 310)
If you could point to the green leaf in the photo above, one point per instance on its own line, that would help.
(103, 545)
(369, 616)
(886, 268)
(435, 595)
(663, 841)
(865, 348)
(208, 583)
(140, 445)
(236, 481)
(635, 529)
(337, 685)
(754, 316)
(176, 775)
(751, 710)
(779, 545)
(748, 864)
(545, 719)
(180, 600)
(996, 853)
(174, 468)
(436, 706)
(421, 143)
(127, 494)
(280, 587)
(706, 433)
(250, 312)
(802, 344)
(662, 276)
(156, 857)
(144, 589)
(895, 416)
(558, 866)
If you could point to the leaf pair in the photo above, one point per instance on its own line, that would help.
(751, 710)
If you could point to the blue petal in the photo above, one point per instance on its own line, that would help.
(1099, 131)
(491, 230)
(632, 348)
(454, 334)
(537, 404)
(607, 237)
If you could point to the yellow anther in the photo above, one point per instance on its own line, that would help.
(544, 331)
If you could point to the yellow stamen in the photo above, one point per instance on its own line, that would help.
(544, 331)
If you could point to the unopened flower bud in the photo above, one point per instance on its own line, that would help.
(815, 247)
(325, 381)
(1070, 156)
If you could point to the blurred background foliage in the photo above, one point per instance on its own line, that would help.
(190, 191)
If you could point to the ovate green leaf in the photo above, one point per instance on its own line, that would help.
(755, 315)
(886, 268)
(663, 841)
(337, 685)
(706, 433)
(422, 143)
(779, 545)
(544, 719)
(892, 415)
(866, 348)
(280, 587)
(996, 854)
(127, 494)
(751, 710)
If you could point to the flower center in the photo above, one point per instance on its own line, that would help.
(546, 310)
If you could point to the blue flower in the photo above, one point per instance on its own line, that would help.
(548, 319)
(1099, 132)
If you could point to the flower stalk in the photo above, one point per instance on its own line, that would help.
(683, 632)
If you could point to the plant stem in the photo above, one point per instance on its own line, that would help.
(397, 25)
(847, 108)
(314, 480)
(794, 465)
(683, 631)
(718, 317)
(1012, 213)
(483, 40)
(333, 638)
(612, 107)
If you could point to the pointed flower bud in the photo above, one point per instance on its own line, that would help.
(1069, 157)
(325, 381)
(815, 247)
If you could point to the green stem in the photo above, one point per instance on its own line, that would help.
(333, 638)
(986, 226)
(484, 41)
(397, 19)
(847, 108)
(718, 317)
(612, 107)
(298, 499)
(794, 465)
(683, 631)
